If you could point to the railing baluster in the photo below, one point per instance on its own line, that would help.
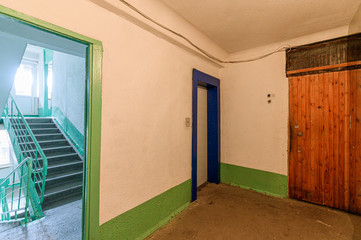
(12, 192)
(30, 169)
(21, 182)
(26, 147)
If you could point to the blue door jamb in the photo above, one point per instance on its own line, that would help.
(213, 116)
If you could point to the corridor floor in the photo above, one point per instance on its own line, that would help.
(60, 223)
(227, 212)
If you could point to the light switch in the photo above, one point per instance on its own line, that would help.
(188, 121)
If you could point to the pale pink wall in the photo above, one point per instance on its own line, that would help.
(355, 25)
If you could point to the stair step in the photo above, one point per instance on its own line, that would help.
(64, 158)
(53, 143)
(61, 167)
(53, 163)
(59, 195)
(63, 187)
(23, 137)
(52, 136)
(60, 178)
(58, 163)
(21, 125)
(39, 120)
(45, 144)
(53, 151)
(37, 131)
(41, 125)
(44, 136)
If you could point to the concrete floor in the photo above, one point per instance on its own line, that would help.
(61, 223)
(227, 212)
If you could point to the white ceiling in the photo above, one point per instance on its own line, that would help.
(241, 24)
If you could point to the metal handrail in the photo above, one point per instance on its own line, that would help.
(25, 145)
(15, 193)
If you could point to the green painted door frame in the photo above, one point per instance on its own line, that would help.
(93, 117)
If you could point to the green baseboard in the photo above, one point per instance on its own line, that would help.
(260, 181)
(141, 221)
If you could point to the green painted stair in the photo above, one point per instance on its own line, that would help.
(65, 166)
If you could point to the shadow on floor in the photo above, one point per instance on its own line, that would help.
(63, 223)
(227, 212)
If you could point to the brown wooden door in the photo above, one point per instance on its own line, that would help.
(325, 139)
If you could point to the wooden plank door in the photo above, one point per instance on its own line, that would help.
(322, 169)
(354, 170)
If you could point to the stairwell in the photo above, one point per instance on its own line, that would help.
(65, 166)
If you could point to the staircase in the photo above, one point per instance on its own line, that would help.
(65, 166)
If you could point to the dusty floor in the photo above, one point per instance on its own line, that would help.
(61, 223)
(226, 212)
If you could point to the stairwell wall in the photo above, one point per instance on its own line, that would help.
(68, 94)
(12, 51)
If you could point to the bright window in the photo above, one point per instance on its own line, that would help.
(4, 147)
(24, 80)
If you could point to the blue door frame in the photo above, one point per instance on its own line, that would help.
(213, 116)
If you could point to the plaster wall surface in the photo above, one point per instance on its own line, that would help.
(242, 24)
(69, 87)
(254, 133)
(146, 95)
(355, 25)
(12, 51)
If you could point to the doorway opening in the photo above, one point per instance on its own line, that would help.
(206, 88)
(32, 87)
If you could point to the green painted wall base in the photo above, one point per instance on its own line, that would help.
(260, 181)
(41, 112)
(144, 219)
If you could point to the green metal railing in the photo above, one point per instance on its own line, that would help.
(25, 145)
(15, 193)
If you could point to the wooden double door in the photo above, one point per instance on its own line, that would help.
(325, 139)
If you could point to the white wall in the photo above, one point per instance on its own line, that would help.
(254, 133)
(147, 93)
(11, 53)
(69, 87)
(355, 25)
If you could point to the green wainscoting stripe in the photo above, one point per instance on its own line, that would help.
(260, 181)
(69, 129)
(144, 219)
